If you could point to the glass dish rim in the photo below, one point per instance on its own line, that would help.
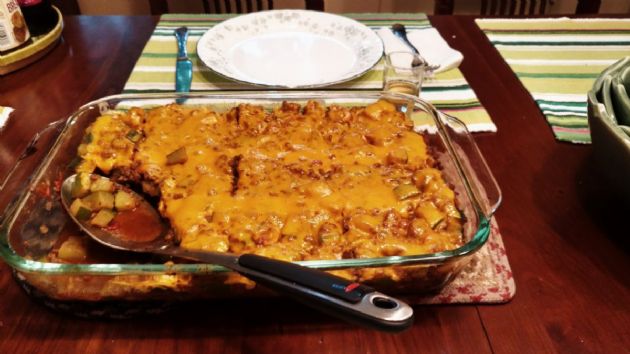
(477, 241)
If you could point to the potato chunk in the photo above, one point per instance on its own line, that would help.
(99, 200)
(81, 186)
(124, 201)
(80, 210)
(72, 250)
(103, 217)
(102, 185)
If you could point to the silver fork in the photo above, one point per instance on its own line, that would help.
(400, 32)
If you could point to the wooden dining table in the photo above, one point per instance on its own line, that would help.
(565, 230)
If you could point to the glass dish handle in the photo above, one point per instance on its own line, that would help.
(20, 174)
(483, 185)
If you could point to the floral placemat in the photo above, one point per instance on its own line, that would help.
(486, 279)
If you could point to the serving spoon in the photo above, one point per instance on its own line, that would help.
(336, 296)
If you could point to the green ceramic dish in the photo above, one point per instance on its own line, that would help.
(597, 86)
(611, 141)
(626, 129)
(625, 78)
(620, 99)
(607, 99)
(621, 102)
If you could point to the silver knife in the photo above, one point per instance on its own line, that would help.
(183, 67)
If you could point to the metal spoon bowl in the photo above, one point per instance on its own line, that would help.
(341, 298)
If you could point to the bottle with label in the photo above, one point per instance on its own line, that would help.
(13, 29)
(39, 14)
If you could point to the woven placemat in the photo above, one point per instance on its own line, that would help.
(155, 70)
(557, 60)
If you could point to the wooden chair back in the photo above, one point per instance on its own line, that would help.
(516, 7)
(159, 7)
(236, 6)
(513, 7)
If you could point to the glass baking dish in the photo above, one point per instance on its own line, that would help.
(33, 219)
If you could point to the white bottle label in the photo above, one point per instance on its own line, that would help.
(13, 30)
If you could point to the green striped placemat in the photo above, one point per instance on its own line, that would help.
(557, 60)
(155, 69)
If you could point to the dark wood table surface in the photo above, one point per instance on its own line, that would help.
(564, 229)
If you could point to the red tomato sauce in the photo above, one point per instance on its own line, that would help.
(140, 224)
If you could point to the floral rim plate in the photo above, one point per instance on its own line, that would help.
(290, 48)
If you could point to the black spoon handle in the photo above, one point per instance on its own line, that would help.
(336, 296)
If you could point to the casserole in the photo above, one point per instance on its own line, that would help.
(33, 223)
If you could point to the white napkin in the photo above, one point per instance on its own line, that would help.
(429, 42)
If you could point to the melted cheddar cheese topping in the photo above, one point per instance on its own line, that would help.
(294, 183)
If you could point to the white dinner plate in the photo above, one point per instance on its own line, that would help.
(290, 48)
